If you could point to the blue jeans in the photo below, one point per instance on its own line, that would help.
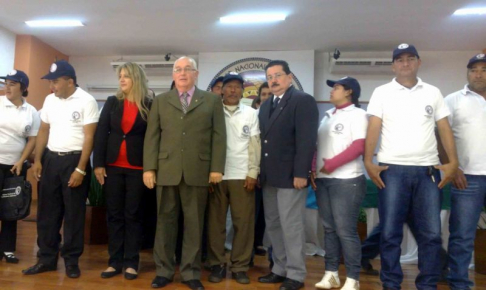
(338, 201)
(410, 194)
(466, 206)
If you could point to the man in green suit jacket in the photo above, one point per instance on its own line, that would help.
(184, 151)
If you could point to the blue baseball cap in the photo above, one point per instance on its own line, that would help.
(216, 80)
(232, 76)
(17, 76)
(404, 48)
(350, 83)
(477, 58)
(60, 68)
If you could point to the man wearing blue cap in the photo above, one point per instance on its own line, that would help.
(468, 192)
(217, 86)
(68, 122)
(237, 188)
(405, 113)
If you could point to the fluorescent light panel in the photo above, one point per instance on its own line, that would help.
(471, 11)
(54, 23)
(253, 18)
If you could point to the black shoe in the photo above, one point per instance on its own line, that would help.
(38, 268)
(271, 265)
(290, 284)
(130, 276)
(160, 282)
(194, 284)
(241, 277)
(260, 252)
(72, 271)
(10, 258)
(109, 274)
(271, 278)
(368, 268)
(217, 274)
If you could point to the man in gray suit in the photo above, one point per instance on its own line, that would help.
(288, 125)
(185, 145)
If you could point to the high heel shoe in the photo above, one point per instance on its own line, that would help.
(10, 258)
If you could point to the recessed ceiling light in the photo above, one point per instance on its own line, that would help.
(54, 23)
(253, 18)
(471, 11)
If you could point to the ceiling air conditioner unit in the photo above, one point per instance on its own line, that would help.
(147, 64)
(358, 66)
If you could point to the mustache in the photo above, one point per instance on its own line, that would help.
(274, 85)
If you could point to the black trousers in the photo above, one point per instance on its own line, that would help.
(8, 232)
(124, 190)
(58, 202)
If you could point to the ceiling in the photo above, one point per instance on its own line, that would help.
(154, 27)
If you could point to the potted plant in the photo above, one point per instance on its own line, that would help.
(95, 229)
(480, 245)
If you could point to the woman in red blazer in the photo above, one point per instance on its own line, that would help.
(118, 156)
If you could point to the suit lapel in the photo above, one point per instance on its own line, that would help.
(278, 110)
(174, 100)
(196, 100)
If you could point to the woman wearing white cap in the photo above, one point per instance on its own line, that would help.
(19, 123)
(340, 182)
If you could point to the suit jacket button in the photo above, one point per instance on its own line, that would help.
(266, 141)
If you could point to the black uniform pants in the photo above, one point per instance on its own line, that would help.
(8, 232)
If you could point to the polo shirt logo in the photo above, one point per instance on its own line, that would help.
(246, 130)
(28, 128)
(429, 109)
(339, 127)
(76, 115)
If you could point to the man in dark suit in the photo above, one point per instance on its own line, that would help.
(185, 144)
(288, 125)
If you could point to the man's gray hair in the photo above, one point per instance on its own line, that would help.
(190, 59)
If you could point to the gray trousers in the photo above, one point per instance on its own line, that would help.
(284, 218)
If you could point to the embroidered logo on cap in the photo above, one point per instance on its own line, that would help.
(403, 46)
(345, 78)
(480, 56)
(429, 109)
(53, 68)
(233, 73)
(12, 73)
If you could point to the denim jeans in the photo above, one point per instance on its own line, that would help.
(338, 201)
(466, 206)
(410, 194)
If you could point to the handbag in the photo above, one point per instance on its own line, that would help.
(15, 199)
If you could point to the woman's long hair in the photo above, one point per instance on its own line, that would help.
(139, 86)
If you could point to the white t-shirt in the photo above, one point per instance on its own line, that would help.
(336, 133)
(16, 125)
(66, 118)
(240, 126)
(468, 123)
(408, 119)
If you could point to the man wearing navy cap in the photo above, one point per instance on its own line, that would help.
(68, 122)
(405, 113)
(237, 188)
(217, 86)
(468, 192)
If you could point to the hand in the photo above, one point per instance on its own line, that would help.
(374, 173)
(324, 169)
(100, 173)
(149, 179)
(37, 170)
(215, 177)
(449, 170)
(460, 181)
(313, 177)
(300, 182)
(76, 179)
(17, 167)
(250, 183)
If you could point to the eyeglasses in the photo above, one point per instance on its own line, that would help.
(275, 76)
(186, 70)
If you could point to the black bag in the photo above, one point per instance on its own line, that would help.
(15, 199)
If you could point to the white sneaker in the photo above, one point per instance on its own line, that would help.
(329, 281)
(351, 284)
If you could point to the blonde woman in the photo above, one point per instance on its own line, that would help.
(118, 156)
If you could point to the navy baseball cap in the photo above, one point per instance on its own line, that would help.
(217, 80)
(350, 83)
(477, 58)
(232, 76)
(17, 76)
(404, 48)
(60, 68)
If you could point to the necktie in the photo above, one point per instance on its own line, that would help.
(274, 105)
(184, 102)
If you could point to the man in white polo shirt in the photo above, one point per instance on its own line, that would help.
(468, 193)
(68, 123)
(237, 189)
(405, 112)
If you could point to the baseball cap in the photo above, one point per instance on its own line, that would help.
(216, 80)
(232, 76)
(17, 76)
(477, 58)
(404, 48)
(60, 68)
(349, 82)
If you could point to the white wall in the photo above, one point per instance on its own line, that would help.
(7, 51)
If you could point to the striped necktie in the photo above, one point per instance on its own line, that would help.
(184, 102)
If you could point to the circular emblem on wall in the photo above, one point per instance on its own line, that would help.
(252, 70)
(339, 127)
(429, 109)
(403, 46)
(53, 68)
(76, 115)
